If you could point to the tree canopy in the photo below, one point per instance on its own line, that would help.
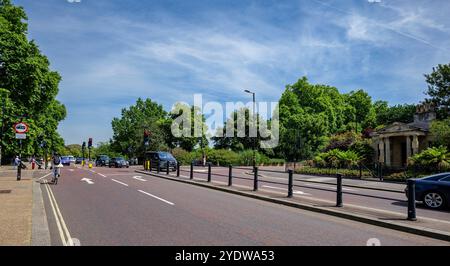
(439, 89)
(30, 85)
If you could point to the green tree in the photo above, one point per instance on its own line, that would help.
(386, 114)
(128, 130)
(195, 136)
(309, 114)
(439, 89)
(361, 104)
(441, 132)
(25, 73)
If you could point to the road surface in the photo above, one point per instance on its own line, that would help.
(106, 206)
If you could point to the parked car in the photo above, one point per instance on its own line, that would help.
(433, 191)
(102, 160)
(79, 160)
(163, 158)
(72, 159)
(65, 160)
(118, 162)
(133, 161)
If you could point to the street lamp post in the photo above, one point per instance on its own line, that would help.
(254, 125)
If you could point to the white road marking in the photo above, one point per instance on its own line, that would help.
(139, 178)
(87, 180)
(71, 170)
(328, 187)
(321, 179)
(101, 175)
(295, 191)
(148, 194)
(119, 182)
(44, 176)
(92, 171)
(62, 227)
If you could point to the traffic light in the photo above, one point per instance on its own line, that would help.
(90, 143)
(146, 137)
(84, 145)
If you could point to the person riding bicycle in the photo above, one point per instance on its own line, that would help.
(56, 167)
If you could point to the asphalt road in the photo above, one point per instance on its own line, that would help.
(320, 189)
(117, 207)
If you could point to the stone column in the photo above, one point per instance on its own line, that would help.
(381, 150)
(388, 152)
(408, 147)
(415, 144)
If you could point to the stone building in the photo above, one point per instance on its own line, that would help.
(395, 143)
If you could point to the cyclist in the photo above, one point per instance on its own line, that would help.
(56, 168)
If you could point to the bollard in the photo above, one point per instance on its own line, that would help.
(178, 169)
(255, 181)
(230, 175)
(291, 184)
(158, 165)
(339, 191)
(167, 168)
(19, 171)
(209, 172)
(411, 200)
(192, 171)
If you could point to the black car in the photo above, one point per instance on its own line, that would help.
(433, 191)
(102, 160)
(118, 162)
(78, 160)
(162, 158)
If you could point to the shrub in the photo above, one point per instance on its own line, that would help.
(435, 157)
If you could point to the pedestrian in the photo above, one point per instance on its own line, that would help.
(16, 162)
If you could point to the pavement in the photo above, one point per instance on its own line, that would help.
(19, 206)
(104, 206)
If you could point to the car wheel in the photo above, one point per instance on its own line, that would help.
(434, 200)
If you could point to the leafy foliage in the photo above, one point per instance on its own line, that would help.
(32, 87)
(439, 89)
(441, 132)
(434, 157)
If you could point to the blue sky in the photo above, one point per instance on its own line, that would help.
(111, 52)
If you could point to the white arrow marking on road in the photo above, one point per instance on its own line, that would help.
(295, 192)
(139, 178)
(87, 180)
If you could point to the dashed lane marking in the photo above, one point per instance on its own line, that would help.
(119, 182)
(158, 198)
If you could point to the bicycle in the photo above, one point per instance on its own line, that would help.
(56, 175)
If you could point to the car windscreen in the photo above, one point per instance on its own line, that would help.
(165, 155)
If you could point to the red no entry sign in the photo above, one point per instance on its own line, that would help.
(21, 128)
